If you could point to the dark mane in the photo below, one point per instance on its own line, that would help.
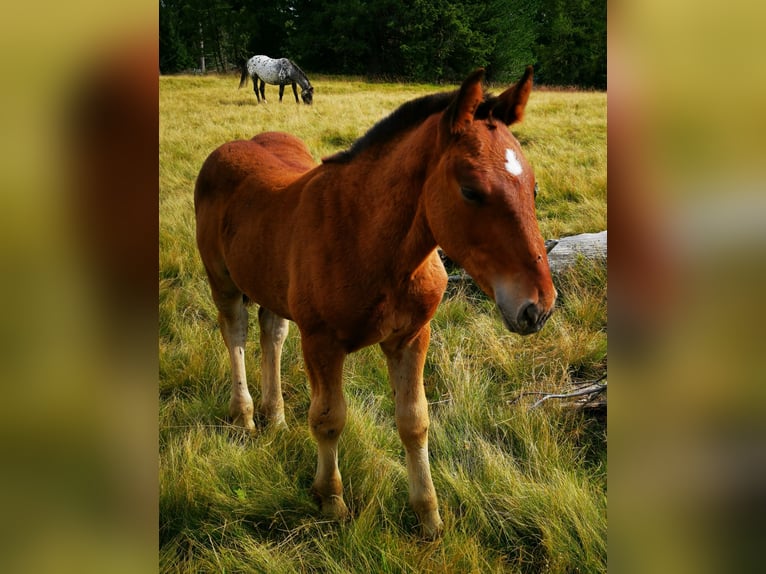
(407, 115)
(301, 72)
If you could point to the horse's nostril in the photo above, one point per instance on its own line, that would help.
(529, 314)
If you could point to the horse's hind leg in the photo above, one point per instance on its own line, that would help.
(281, 92)
(256, 79)
(405, 361)
(232, 317)
(273, 334)
(263, 90)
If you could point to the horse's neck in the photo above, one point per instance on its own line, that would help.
(300, 78)
(391, 191)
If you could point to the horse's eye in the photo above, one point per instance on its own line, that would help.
(471, 195)
(535, 190)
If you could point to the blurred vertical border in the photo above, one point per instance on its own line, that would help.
(687, 274)
(78, 253)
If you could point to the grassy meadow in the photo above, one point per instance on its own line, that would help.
(520, 490)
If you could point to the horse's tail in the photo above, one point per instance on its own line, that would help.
(243, 68)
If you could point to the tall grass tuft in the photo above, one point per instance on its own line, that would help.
(520, 490)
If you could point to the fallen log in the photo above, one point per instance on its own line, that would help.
(565, 253)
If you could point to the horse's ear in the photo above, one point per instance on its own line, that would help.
(459, 115)
(510, 105)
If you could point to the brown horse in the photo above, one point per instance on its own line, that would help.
(347, 250)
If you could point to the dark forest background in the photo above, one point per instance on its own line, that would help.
(424, 40)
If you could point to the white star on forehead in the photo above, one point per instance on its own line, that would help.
(512, 163)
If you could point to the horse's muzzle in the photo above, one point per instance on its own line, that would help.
(523, 317)
(529, 319)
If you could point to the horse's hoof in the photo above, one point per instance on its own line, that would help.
(241, 413)
(273, 417)
(278, 423)
(432, 526)
(335, 508)
(242, 417)
(245, 423)
(432, 531)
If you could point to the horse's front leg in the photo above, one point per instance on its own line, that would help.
(295, 93)
(281, 92)
(406, 359)
(327, 416)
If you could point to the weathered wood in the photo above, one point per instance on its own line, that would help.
(564, 254)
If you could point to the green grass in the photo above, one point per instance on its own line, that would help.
(520, 490)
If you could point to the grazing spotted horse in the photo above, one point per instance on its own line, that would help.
(347, 250)
(278, 72)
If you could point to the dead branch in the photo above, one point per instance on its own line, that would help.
(591, 392)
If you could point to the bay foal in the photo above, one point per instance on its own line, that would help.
(347, 250)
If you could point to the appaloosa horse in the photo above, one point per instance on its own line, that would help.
(278, 72)
(347, 250)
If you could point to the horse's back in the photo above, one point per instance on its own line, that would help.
(268, 162)
(288, 150)
(270, 70)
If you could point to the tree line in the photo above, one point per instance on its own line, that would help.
(426, 40)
